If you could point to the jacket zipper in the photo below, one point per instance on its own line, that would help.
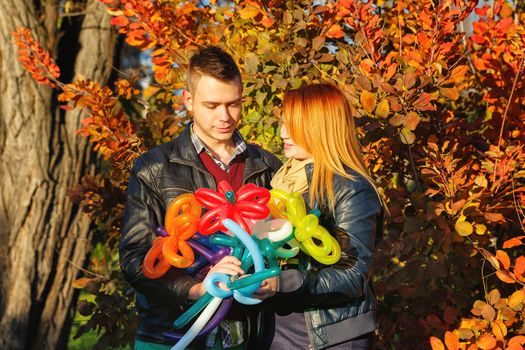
(307, 323)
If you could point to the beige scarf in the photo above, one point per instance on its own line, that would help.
(291, 177)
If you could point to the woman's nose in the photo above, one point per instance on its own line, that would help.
(284, 132)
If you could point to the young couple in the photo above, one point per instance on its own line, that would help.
(310, 305)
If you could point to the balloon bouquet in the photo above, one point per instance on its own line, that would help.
(255, 225)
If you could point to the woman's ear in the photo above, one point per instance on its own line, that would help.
(187, 99)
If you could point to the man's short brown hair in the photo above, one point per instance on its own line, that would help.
(214, 62)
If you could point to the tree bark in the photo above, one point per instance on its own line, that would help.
(44, 237)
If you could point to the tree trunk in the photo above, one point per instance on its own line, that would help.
(44, 237)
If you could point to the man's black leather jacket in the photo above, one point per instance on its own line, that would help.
(157, 177)
(338, 301)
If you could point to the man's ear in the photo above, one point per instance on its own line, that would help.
(187, 99)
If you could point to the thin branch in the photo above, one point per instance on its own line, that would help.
(80, 267)
(508, 102)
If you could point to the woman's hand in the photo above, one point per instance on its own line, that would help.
(228, 265)
(268, 288)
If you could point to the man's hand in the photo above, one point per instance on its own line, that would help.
(268, 288)
(228, 265)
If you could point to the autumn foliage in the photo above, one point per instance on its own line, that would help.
(439, 95)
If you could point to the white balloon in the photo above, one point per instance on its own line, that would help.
(198, 325)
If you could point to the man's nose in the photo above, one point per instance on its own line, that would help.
(224, 113)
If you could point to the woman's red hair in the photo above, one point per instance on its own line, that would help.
(319, 119)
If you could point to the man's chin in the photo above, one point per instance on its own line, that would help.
(224, 136)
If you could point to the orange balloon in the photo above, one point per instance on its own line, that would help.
(149, 269)
(170, 251)
(185, 204)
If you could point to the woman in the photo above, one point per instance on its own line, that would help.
(318, 306)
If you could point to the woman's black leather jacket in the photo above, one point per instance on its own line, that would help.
(338, 301)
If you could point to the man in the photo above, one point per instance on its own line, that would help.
(210, 149)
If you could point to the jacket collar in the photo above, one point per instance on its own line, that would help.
(183, 152)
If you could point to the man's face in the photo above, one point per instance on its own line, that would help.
(216, 107)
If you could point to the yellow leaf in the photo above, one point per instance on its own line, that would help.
(248, 12)
(499, 330)
(464, 228)
(368, 101)
(407, 136)
(516, 298)
(150, 91)
(481, 229)
(383, 108)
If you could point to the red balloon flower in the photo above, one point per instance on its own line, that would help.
(249, 202)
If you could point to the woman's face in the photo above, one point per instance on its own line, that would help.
(291, 150)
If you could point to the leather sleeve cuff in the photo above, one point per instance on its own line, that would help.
(291, 280)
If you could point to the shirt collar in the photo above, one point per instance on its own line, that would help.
(238, 141)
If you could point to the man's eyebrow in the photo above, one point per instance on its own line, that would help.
(240, 99)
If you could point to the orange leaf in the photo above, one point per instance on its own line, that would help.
(513, 242)
(503, 257)
(505, 277)
(519, 266)
(368, 101)
(412, 119)
(451, 340)
(436, 344)
(496, 217)
(458, 73)
(486, 342)
(504, 24)
(81, 282)
(452, 93)
(494, 296)
(422, 103)
(248, 12)
(267, 22)
(335, 32)
(119, 21)
(488, 312)
(517, 340)
(390, 71)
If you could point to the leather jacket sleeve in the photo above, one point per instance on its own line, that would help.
(358, 211)
(142, 215)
